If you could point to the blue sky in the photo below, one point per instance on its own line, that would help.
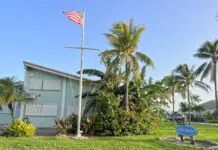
(37, 31)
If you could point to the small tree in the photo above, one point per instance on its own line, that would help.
(10, 93)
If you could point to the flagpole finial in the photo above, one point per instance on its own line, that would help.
(63, 12)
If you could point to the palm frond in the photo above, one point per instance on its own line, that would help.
(144, 58)
(206, 71)
(202, 86)
(142, 74)
(200, 69)
(92, 72)
(136, 36)
(135, 68)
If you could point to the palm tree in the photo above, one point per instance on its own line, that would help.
(196, 98)
(209, 52)
(124, 39)
(172, 83)
(11, 93)
(183, 107)
(187, 79)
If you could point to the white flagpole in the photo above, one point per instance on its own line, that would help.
(81, 80)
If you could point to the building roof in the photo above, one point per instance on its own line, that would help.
(210, 104)
(50, 70)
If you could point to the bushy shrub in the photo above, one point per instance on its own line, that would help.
(117, 122)
(213, 121)
(18, 128)
(120, 122)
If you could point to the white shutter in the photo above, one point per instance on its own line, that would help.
(51, 85)
(35, 83)
(41, 110)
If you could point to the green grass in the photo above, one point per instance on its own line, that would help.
(149, 142)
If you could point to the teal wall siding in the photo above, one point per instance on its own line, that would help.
(72, 90)
(53, 97)
(43, 121)
(17, 111)
(46, 97)
(5, 118)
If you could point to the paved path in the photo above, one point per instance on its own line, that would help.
(208, 124)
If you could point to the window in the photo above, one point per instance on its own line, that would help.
(35, 83)
(52, 85)
(41, 110)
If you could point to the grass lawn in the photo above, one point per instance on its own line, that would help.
(149, 142)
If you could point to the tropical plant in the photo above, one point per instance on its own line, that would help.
(99, 102)
(173, 84)
(11, 93)
(198, 108)
(187, 79)
(61, 126)
(18, 128)
(209, 51)
(196, 99)
(124, 39)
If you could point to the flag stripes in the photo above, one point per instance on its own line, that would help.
(75, 16)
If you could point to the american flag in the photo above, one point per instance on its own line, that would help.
(75, 16)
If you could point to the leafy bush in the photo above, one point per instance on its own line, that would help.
(61, 126)
(18, 128)
(117, 122)
(213, 121)
(120, 122)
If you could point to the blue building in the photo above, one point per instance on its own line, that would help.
(51, 94)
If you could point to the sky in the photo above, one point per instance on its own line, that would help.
(37, 31)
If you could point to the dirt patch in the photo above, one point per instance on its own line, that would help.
(187, 142)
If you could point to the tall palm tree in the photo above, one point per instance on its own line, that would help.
(124, 39)
(196, 98)
(187, 78)
(183, 107)
(10, 93)
(172, 83)
(209, 52)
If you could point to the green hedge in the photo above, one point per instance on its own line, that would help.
(213, 121)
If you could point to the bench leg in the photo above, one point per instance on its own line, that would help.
(192, 140)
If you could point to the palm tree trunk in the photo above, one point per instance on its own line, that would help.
(173, 101)
(189, 108)
(127, 87)
(10, 107)
(215, 86)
